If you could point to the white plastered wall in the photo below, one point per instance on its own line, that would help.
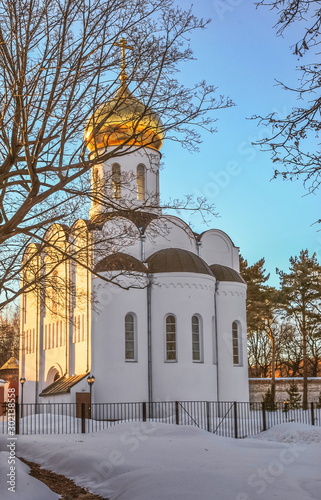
(183, 295)
(230, 304)
(169, 232)
(128, 165)
(118, 380)
(217, 248)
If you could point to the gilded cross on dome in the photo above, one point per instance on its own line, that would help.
(123, 44)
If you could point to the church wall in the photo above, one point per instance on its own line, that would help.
(30, 320)
(183, 295)
(230, 304)
(169, 232)
(118, 380)
(128, 165)
(118, 235)
(28, 344)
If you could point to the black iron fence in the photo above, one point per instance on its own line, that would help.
(229, 419)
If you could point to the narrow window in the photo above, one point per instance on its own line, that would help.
(115, 181)
(140, 180)
(83, 327)
(235, 342)
(130, 341)
(24, 307)
(57, 334)
(196, 339)
(54, 292)
(157, 185)
(95, 186)
(170, 338)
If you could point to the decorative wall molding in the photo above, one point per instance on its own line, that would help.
(196, 286)
(232, 293)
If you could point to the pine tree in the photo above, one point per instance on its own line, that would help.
(262, 301)
(268, 399)
(300, 296)
(294, 396)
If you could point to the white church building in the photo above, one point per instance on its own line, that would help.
(162, 317)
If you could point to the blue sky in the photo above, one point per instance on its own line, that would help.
(241, 55)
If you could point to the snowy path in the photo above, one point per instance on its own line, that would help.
(147, 461)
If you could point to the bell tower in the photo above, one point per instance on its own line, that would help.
(126, 126)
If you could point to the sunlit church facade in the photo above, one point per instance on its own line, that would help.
(153, 310)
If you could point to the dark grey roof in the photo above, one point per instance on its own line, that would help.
(62, 385)
(171, 260)
(224, 273)
(120, 262)
(140, 219)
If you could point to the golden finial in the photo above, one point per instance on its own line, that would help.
(123, 44)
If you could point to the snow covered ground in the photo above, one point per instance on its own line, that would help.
(149, 461)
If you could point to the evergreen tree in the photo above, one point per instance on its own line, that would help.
(294, 396)
(269, 400)
(300, 296)
(261, 305)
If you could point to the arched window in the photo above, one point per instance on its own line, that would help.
(24, 307)
(170, 338)
(236, 344)
(54, 292)
(130, 338)
(157, 185)
(95, 186)
(115, 181)
(140, 180)
(196, 339)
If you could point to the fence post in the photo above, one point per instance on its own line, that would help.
(235, 420)
(176, 413)
(264, 416)
(17, 419)
(83, 418)
(144, 411)
(312, 414)
(208, 415)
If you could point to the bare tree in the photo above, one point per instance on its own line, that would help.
(59, 62)
(9, 335)
(294, 142)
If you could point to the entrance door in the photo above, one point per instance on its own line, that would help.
(83, 397)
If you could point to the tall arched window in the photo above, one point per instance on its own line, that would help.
(196, 339)
(95, 186)
(115, 181)
(171, 338)
(236, 344)
(157, 185)
(130, 338)
(140, 181)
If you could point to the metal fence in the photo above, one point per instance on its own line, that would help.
(229, 419)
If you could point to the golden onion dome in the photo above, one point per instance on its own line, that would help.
(124, 120)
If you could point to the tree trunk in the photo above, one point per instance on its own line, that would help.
(273, 369)
(305, 363)
(272, 340)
